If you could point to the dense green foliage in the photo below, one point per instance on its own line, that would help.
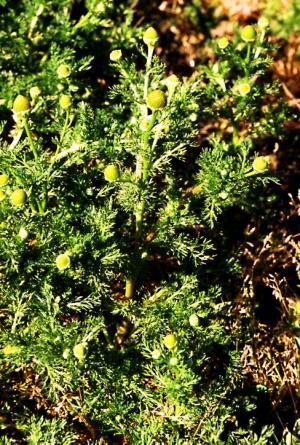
(116, 316)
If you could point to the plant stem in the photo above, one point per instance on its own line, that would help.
(45, 199)
(139, 218)
(235, 135)
(36, 158)
(248, 53)
(145, 160)
(65, 126)
(30, 140)
(251, 173)
(66, 122)
(148, 66)
(247, 60)
(32, 207)
(141, 171)
(258, 50)
(129, 288)
(54, 158)
(41, 206)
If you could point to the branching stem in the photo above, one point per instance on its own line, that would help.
(30, 140)
(53, 160)
(143, 162)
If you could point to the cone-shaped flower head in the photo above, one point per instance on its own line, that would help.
(18, 197)
(3, 179)
(21, 104)
(79, 351)
(260, 164)
(111, 173)
(62, 261)
(65, 101)
(223, 43)
(150, 37)
(156, 100)
(170, 341)
(63, 71)
(115, 55)
(248, 34)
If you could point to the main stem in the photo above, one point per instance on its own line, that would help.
(142, 171)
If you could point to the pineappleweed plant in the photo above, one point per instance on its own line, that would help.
(107, 233)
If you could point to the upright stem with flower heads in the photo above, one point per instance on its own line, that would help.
(142, 167)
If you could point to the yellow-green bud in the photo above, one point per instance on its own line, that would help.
(63, 71)
(23, 233)
(215, 68)
(240, 46)
(111, 173)
(65, 101)
(150, 37)
(223, 195)
(62, 261)
(172, 81)
(144, 125)
(156, 354)
(79, 351)
(260, 164)
(3, 179)
(34, 92)
(248, 34)
(244, 88)
(166, 128)
(194, 320)
(115, 55)
(297, 307)
(173, 361)
(123, 328)
(2, 195)
(223, 43)
(197, 189)
(100, 7)
(9, 349)
(156, 100)
(21, 104)
(66, 353)
(170, 341)
(263, 23)
(18, 197)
